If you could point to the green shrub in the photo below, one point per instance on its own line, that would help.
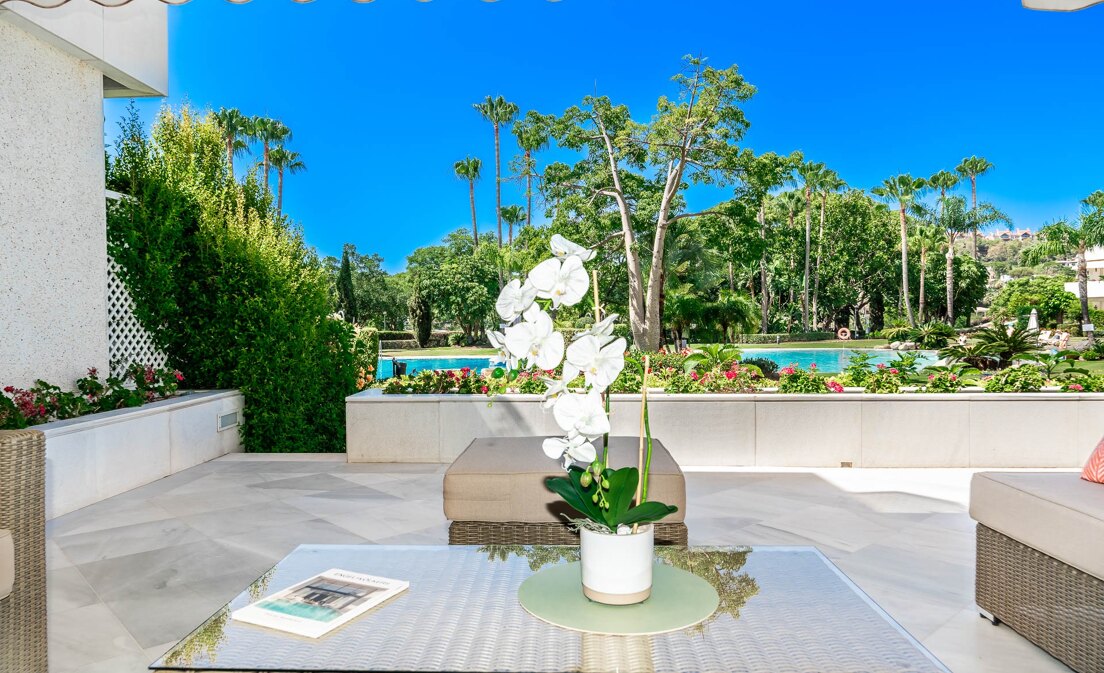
(943, 381)
(884, 381)
(460, 382)
(1084, 384)
(228, 289)
(859, 368)
(769, 368)
(366, 349)
(794, 379)
(457, 339)
(1023, 379)
(392, 335)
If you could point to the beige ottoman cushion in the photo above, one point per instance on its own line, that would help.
(7, 564)
(502, 479)
(1057, 513)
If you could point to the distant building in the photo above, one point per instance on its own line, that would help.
(1010, 235)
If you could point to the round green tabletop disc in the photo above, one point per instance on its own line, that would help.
(679, 599)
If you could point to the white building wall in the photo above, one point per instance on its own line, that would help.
(53, 263)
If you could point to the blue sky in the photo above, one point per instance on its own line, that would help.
(379, 95)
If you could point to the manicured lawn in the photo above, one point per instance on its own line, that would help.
(447, 351)
(833, 343)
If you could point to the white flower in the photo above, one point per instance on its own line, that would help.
(603, 329)
(562, 248)
(514, 299)
(498, 341)
(599, 364)
(581, 414)
(564, 283)
(536, 342)
(569, 450)
(553, 389)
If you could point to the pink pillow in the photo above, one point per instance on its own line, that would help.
(1094, 469)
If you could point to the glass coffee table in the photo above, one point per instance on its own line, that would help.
(781, 609)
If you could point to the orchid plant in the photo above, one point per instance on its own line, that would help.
(610, 499)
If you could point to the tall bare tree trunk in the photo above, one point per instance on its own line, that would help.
(1083, 290)
(279, 191)
(498, 185)
(528, 189)
(808, 246)
(973, 197)
(764, 291)
(923, 273)
(265, 160)
(904, 268)
(230, 154)
(950, 282)
(471, 198)
(816, 270)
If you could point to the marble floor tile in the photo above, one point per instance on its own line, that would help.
(81, 548)
(85, 636)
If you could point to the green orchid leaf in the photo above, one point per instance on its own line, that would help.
(646, 513)
(622, 490)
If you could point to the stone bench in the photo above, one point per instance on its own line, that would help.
(495, 493)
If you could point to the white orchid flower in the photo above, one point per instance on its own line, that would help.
(569, 450)
(563, 248)
(514, 299)
(581, 414)
(603, 329)
(537, 342)
(564, 283)
(599, 364)
(553, 389)
(498, 341)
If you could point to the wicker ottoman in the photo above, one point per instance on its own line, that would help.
(1040, 560)
(495, 493)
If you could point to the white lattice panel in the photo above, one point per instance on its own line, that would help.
(128, 342)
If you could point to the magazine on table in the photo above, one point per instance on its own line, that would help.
(322, 603)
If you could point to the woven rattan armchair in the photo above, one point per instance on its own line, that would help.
(22, 511)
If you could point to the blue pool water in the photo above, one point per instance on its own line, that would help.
(417, 364)
(829, 360)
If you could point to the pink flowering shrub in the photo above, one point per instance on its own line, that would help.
(884, 380)
(794, 379)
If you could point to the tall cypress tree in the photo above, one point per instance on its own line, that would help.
(346, 297)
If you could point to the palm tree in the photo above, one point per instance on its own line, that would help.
(513, 215)
(902, 190)
(532, 136)
(498, 111)
(468, 169)
(732, 309)
(1062, 238)
(284, 160)
(925, 238)
(830, 182)
(811, 174)
(791, 203)
(953, 221)
(971, 168)
(268, 132)
(943, 181)
(234, 125)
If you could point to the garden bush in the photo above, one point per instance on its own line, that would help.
(769, 368)
(1022, 379)
(366, 349)
(794, 379)
(226, 287)
(884, 380)
(1084, 384)
(392, 335)
(784, 337)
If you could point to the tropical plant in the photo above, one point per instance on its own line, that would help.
(955, 220)
(268, 132)
(468, 169)
(732, 310)
(970, 168)
(932, 335)
(1062, 363)
(234, 126)
(795, 380)
(1008, 345)
(767, 368)
(712, 356)
(1023, 379)
(1061, 238)
(284, 160)
(828, 183)
(979, 355)
(512, 215)
(499, 112)
(812, 175)
(532, 133)
(943, 380)
(884, 381)
(927, 239)
(902, 190)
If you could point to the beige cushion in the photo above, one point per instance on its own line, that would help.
(1057, 513)
(7, 563)
(502, 479)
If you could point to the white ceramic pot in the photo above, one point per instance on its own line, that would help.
(617, 569)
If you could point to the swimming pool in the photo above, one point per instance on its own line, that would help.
(828, 360)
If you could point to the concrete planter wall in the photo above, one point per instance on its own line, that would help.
(95, 457)
(906, 430)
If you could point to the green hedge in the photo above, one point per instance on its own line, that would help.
(366, 350)
(784, 338)
(391, 335)
(226, 287)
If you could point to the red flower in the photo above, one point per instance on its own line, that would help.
(730, 375)
(835, 387)
(894, 371)
(787, 371)
(812, 366)
(178, 375)
(483, 389)
(881, 366)
(694, 375)
(954, 377)
(9, 389)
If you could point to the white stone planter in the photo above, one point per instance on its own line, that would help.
(97, 456)
(617, 569)
(964, 429)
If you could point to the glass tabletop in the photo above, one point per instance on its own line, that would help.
(781, 609)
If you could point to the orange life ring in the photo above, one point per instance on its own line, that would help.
(843, 334)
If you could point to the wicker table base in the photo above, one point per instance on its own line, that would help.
(521, 532)
(1054, 605)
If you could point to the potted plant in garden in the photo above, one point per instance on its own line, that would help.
(617, 538)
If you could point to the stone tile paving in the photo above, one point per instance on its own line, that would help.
(131, 575)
